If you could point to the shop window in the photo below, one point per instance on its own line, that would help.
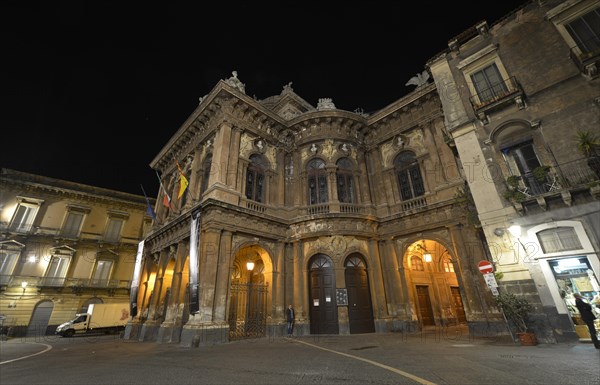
(575, 275)
(416, 263)
(345, 182)
(558, 239)
(407, 170)
(24, 215)
(317, 182)
(255, 178)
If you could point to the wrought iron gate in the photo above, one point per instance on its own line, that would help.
(247, 311)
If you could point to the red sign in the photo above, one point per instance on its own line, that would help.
(485, 267)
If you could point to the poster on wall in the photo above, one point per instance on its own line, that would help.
(194, 245)
(135, 281)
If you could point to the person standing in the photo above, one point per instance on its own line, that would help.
(585, 311)
(290, 315)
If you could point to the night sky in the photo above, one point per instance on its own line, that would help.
(91, 91)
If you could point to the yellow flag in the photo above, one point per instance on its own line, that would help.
(183, 182)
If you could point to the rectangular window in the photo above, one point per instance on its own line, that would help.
(559, 239)
(489, 84)
(23, 217)
(113, 230)
(57, 270)
(586, 31)
(8, 260)
(102, 273)
(72, 225)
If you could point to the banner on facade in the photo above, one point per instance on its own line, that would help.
(135, 281)
(194, 244)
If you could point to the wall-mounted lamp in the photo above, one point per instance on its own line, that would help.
(32, 259)
(427, 257)
(426, 254)
(515, 231)
(250, 265)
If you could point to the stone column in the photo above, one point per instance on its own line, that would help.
(204, 328)
(169, 329)
(279, 305)
(379, 299)
(475, 301)
(300, 298)
(234, 156)
(220, 160)
(223, 277)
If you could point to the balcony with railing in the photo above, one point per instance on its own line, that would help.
(543, 182)
(496, 96)
(77, 285)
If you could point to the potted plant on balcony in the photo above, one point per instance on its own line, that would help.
(517, 309)
(512, 192)
(588, 145)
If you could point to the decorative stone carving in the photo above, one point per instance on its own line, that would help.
(287, 88)
(400, 141)
(325, 104)
(235, 82)
(260, 145)
(345, 148)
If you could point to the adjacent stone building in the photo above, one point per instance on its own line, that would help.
(63, 246)
(519, 97)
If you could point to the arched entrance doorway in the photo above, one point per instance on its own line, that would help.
(434, 286)
(360, 309)
(247, 316)
(40, 318)
(322, 306)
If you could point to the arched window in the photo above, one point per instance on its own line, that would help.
(320, 261)
(558, 239)
(416, 263)
(355, 261)
(409, 175)
(448, 266)
(206, 174)
(255, 178)
(317, 182)
(345, 183)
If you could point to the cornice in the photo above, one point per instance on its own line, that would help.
(35, 184)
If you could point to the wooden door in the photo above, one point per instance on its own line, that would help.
(323, 307)
(360, 309)
(458, 305)
(424, 302)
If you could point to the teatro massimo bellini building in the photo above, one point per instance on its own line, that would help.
(357, 220)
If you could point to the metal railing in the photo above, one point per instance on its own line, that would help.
(33, 281)
(504, 89)
(570, 175)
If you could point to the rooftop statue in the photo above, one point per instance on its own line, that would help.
(235, 82)
(419, 80)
